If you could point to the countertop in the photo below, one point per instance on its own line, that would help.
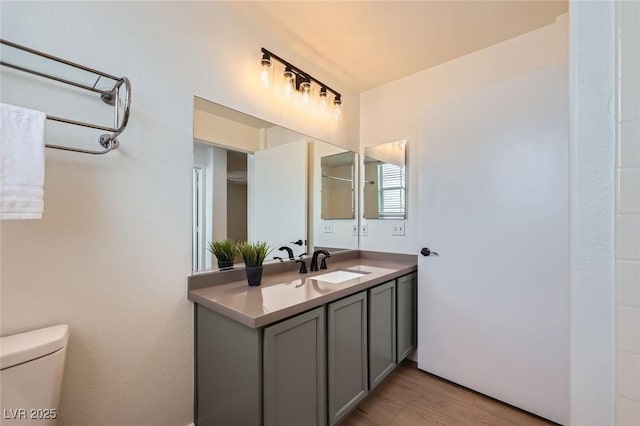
(285, 294)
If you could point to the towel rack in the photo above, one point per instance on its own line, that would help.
(337, 178)
(107, 85)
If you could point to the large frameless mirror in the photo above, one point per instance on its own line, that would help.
(256, 181)
(385, 182)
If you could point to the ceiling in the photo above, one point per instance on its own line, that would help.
(369, 43)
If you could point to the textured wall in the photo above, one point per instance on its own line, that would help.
(591, 154)
(111, 255)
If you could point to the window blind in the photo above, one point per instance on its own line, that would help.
(391, 190)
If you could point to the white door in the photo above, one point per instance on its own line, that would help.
(493, 203)
(278, 197)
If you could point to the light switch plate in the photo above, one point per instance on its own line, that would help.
(398, 229)
(328, 228)
(354, 229)
(364, 229)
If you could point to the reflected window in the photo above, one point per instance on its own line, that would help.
(385, 181)
(391, 196)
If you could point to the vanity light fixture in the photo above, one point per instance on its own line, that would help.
(296, 80)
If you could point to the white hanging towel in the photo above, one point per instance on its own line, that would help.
(21, 162)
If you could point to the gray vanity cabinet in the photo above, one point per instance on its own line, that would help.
(310, 369)
(228, 371)
(346, 354)
(407, 327)
(294, 388)
(382, 332)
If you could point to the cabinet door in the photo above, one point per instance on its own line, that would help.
(382, 332)
(294, 389)
(228, 365)
(406, 292)
(347, 354)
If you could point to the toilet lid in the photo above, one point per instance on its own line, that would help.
(23, 347)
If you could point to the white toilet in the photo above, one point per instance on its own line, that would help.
(31, 368)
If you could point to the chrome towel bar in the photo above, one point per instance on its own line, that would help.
(110, 92)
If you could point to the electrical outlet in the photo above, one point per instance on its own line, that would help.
(398, 229)
(364, 229)
(354, 229)
(328, 228)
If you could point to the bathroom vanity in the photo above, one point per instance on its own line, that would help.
(301, 349)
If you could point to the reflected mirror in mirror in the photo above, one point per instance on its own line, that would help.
(255, 181)
(338, 177)
(333, 206)
(385, 181)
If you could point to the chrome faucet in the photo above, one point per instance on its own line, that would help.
(314, 260)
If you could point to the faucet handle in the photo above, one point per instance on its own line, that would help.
(278, 258)
(303, 266)
(302, 255)
(323, 264)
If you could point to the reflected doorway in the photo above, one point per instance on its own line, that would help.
(219, 199)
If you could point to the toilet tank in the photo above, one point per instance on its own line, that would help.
(31, 369)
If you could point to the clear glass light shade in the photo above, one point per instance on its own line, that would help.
(337, 110)
(264, 74)
(324, 102)
(305, 89)
(288, 82)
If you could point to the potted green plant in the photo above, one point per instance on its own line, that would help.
(253, 255)
(224, 251)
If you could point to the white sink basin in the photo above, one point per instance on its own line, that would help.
(339, 276)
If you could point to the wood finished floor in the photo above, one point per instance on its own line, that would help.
(411, 397)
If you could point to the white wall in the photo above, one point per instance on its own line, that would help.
(591, 212)
(111, 255)
(390, 112)
(628, 216)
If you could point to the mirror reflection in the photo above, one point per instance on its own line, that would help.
(384, 194)
(255, 181)
(338, 177)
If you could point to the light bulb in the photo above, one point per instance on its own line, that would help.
(324, 104)
(337, 108)
(288, 81)
(305, 88)
(266, 67)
